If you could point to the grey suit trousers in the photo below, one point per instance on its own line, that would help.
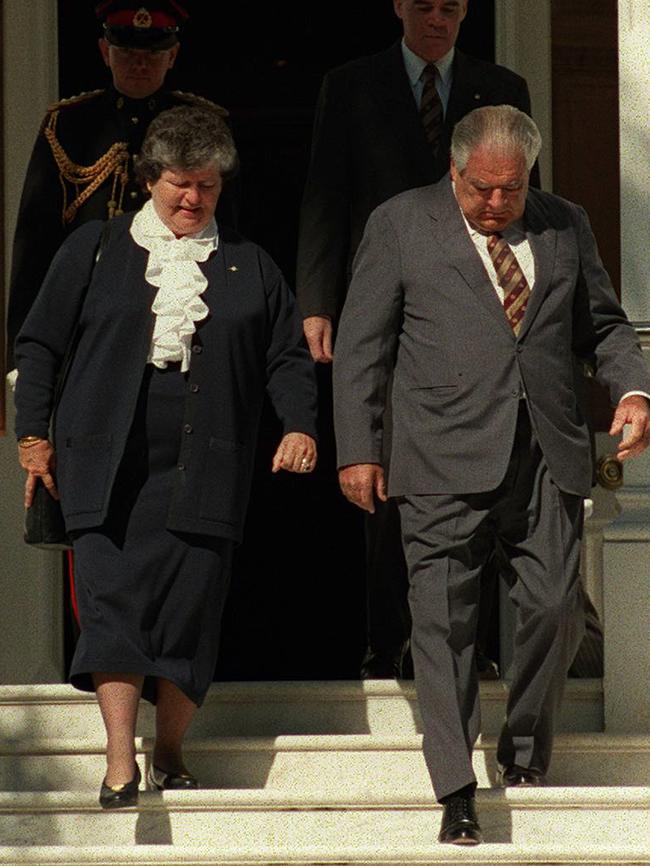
(447, 540)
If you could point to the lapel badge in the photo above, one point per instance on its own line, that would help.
(142, 19)
(233, 268)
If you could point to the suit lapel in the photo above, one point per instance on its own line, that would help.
(543, 241)
(466, 91)
(391, 89)
(461, 253)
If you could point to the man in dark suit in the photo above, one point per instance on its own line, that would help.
(475, 295)
(371, 142)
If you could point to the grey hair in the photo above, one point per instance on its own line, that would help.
(498, 127)
(188, 137)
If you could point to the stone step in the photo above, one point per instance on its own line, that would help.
(596, 853)
(381, 707)
(264, 825)
(386, 766)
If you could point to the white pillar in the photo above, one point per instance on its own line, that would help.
(634, 98)
(30, 581)
(626, 586)
(523, 44)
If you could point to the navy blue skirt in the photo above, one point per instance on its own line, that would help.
(150, 600)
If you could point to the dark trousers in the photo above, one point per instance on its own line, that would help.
(447, 540)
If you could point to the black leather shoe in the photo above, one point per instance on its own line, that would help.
(459, 822)
(487, 669)
(159, 780)
(384, 665)
(120, 796)
(515, 776)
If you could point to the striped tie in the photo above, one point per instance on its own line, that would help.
(510, 277)
(431, 107)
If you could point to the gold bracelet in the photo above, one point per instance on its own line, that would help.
(30, 441)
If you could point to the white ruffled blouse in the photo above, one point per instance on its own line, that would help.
(172, 268)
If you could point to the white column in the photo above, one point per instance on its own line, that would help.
(626, 555)
(523, 44)
(634, 97)
(30, 581)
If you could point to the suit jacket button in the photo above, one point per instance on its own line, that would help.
(194, 388)
(188, 428)
(181, 467)
(197, 349)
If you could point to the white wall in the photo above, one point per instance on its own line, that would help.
(30, 581)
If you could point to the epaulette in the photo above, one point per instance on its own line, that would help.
(75, 100)
(200, 100)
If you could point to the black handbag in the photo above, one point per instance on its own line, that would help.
(44, 526)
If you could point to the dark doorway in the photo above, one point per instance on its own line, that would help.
(297, 608)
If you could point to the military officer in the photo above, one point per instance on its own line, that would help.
(81, 165)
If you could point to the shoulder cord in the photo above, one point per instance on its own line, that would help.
(115, 161)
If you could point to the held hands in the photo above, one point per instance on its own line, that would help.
(635, 411)
(318, 333)
(38, 461)
(360, 484)
(296, 453)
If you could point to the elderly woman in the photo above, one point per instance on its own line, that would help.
(179, 327)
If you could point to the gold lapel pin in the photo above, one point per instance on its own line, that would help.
(233, 268)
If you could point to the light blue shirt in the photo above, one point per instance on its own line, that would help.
(414, 65)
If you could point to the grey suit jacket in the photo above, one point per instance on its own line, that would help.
(422, 308)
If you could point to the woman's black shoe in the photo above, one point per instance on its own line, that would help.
(159, 780)
(120, 796)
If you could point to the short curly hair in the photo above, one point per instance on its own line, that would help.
(188, 138)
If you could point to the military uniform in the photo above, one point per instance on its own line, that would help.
(81, 169)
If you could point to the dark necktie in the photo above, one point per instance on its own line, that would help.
(510, 277)
(431, 107)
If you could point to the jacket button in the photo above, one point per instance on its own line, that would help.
(197, 349)
(188, 428)
(181, 467)
(194, 388)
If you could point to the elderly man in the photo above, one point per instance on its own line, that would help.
(476, 295)
(81, 166)
(383, 125)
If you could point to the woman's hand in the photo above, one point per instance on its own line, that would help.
(38, 461)
(296, 453)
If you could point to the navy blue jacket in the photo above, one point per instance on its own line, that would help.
(250, 341)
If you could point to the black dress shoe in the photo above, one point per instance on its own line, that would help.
(459, 822)
(382, 665)
(120, 796)
(487, 669)
(515, 776)
(159, 780)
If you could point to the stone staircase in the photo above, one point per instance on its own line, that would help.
(311, 773)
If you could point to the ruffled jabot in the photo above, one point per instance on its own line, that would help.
(172, 268)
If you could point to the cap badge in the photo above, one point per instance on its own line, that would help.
(142, 19)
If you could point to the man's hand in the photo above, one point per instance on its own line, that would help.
(635, 411)
(318, 333)
(360, 484)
